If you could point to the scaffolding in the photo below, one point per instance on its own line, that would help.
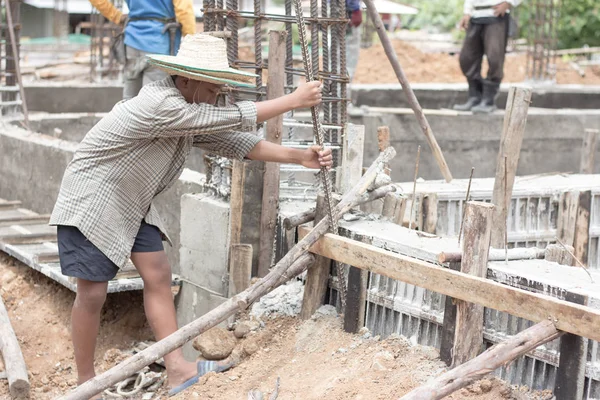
(542, 40)
(327, 22)
(102, 61)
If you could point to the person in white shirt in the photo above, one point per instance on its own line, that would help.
(487, 25)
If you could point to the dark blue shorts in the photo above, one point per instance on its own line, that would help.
(79, 258)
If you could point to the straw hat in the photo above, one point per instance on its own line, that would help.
(204, 58)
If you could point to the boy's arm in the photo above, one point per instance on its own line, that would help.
(184, 13)
(108, 10)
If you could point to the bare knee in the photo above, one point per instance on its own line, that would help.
(154, 268)
(90, 295)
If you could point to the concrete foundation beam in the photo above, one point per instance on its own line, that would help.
(91, 98)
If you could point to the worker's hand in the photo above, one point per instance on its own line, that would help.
(501, 9)
(316, 158)
(464, 22)
(308, 94)
(356, 18)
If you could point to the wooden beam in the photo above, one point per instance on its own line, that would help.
(24, 219)
(570, 376)
(240, 268)
(236, 200)
(407, 90)
(394, 207)
(588, 151)
(383, 142)
(449, 324)
(558, 254)
(292, 264)
(317, 276)
(9, 205)
(356, 300)
(518, 253)
(352, 157)
(16, 370)
(29, 238)
(270, 197)
(468, 335)
(573, 225)
(429, 213)
(493, 358)
(567, 317)
(515, 119)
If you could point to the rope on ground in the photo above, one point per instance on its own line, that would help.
(145, 380)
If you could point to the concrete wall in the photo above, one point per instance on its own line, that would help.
(61, 98)
(36, 22)
(552, 142)
(33, 165)
(445, 95)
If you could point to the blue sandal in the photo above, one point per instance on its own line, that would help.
(203, 368)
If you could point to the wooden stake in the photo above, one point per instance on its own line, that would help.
(496, 356)
(352, 158)
(588, 151)
(429, 214)
(240, 268)
(573, 225)
(16, 370)
(394, 207)
(412, 204)
(515, 119)
(383, 141)
(468, 337)
(292, 264)
(317, 277)
(560, 254)
(270, 197)
(356, 297)
(407, 90)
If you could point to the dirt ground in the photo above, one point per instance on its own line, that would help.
(313, 359)
(374, 67)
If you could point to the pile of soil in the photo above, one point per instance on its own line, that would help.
(374, 67)
(313, 359)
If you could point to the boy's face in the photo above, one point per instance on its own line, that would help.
(198, 91)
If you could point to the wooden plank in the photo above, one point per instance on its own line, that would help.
(352, 158)
(25, 238)
(356, 297)
(236, 200)
(317, 276)
(270, 197)
(588, 151)
(16, 370)
(468, 336)
(535, 307)
(570, 376)
(46, 257)
(9, 205)
(515, 119)
(567, 216)
(383, 142)
(240, 268)
(558, 254)
(581, 238)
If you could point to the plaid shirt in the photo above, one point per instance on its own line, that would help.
(138, 151)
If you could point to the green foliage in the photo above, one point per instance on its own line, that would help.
(442, 15)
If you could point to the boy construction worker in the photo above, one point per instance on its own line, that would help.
(486, 23)
(152, 26)
(105, 213)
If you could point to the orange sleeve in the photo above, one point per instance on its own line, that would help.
(107, 9)
(184, 13)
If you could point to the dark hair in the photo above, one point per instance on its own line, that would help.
(174, 77)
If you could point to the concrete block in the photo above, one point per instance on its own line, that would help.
(88, 98)
(205, 241)
(191, 303)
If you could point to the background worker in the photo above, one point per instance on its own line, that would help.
(487, 25)
(150, 28)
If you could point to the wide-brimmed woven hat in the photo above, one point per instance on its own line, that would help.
(202, 57)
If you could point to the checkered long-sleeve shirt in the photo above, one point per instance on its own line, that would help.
(138, 151)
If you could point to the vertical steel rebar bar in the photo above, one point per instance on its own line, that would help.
(258, 45)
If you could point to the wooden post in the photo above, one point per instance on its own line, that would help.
(558, 254)
(449, 324)
(570, 376)
(240, 268)
(270, 197)
(515, 119)
(353, 144)
(407, 90)
(317, 277)
(16, 370)
(468, 335)
(394, 207)
(429, 213)
(574, 222)
(383, 141)
(493, 358)
(356, 298)
(588, 151)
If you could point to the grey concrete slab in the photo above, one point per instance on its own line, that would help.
(61, 98)
(445, 95)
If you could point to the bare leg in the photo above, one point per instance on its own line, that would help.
(85, 323)
(155, 271)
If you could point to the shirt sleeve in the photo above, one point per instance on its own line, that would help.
(173, 116)
(468, 8)
(353, 5)
(235, 145)
(514, 3)
(108, 10)
(184, 13)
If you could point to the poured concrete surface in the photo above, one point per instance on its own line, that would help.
(64, 98)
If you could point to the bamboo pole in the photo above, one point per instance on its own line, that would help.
(16, 370)
(407, 90)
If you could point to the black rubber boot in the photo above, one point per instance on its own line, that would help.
(488, 100)
(475, 93)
